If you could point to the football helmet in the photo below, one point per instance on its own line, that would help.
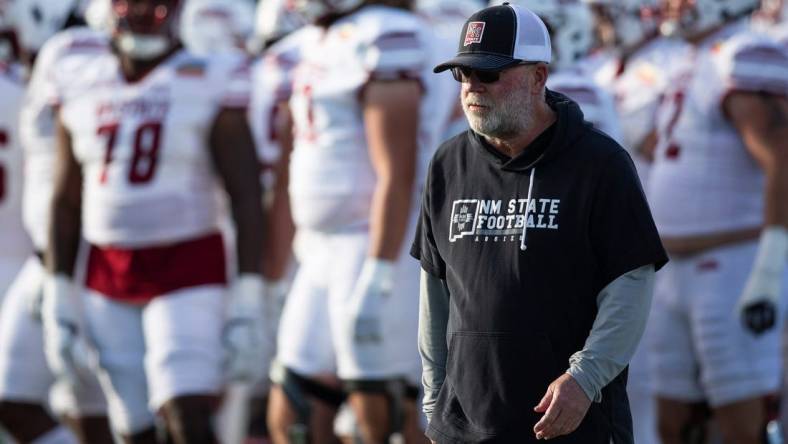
(277, 18)
(35, 21)
(217, 26)
(633, 20)
(571, 26)
(689, 18)
(314, 10)
(145, 29)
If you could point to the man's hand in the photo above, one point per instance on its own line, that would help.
(243, 336)
(564, 406)
(64, 351)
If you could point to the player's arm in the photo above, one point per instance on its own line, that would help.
(762, 123)
(232, 148)
(279, 222)
(391, 120)
(433, 323)
(66, 220)
(235, 158)
(59, 310)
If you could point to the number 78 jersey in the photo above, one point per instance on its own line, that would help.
(148, 176)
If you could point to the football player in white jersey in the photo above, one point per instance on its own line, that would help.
(718, 190)
(571, 32)
(145, 134)
(638, 73)
(363, 133)
(13, 236)
(25, 380)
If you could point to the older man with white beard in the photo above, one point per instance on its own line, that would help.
(538, 255)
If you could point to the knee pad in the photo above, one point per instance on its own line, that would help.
(396, 391)
(298, 390)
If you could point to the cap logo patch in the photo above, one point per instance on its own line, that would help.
(474, 33)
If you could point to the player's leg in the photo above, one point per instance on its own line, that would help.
(378, 376)
(25, 379)
(306, 393)
(301, 409)
(183, 360)
(672, 360)
(738, 369)
(642, 403)
(115, 328)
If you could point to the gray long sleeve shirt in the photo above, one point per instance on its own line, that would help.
(623, 307)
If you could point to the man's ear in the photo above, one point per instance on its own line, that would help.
(538, 78)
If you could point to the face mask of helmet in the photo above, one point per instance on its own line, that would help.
(145, 29)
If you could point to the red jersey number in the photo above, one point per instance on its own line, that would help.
(147, 140)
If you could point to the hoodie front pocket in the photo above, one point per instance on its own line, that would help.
(498, 378)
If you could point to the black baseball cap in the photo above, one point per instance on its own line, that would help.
(501, 36)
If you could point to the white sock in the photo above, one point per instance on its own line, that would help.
(58, 435)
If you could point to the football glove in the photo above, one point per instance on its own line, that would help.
(64, 347)
(243, 336)
(366, 302)
(759, 304)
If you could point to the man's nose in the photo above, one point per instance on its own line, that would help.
(472, 84)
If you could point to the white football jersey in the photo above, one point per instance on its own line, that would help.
(272, 77)
(703, 179)
(148, 174)
(596, 103)
(12, 235)
(638, 88)
(60, 59)
(331, 175)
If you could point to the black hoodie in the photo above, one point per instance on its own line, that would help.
(523, 295)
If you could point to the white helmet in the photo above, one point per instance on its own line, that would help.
(313, 10)
(698, 16)
(217, 26)
(633, 20)
(277, 18)
(35, 21)
(571, 26)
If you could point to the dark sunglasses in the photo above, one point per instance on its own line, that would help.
(463, 74)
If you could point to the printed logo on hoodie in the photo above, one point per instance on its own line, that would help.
(489, 220)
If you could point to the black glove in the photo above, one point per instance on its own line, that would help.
(759, 317)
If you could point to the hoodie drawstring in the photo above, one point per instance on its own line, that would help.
(523, 246)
